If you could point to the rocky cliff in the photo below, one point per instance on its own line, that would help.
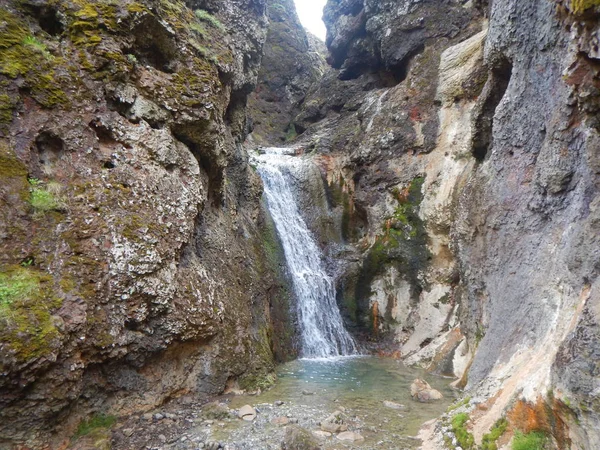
(137, 263)
(456, 143)
(453, 186)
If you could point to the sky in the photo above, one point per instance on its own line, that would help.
(310, 13)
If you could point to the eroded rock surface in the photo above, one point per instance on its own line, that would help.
(137, 263)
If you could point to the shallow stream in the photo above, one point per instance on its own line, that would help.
(313, 389)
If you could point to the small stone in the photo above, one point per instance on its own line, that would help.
(321, 434)
(128, 432)
(212, 445)
(158, 416)
(247, 413)
(350, 436)
(162, 438)
(293, 420)
(280, 421)
(307, 393)
(393, 405)
(147, 416)
(183, 438)
(279, 403)
(209, 422)
(171, 416)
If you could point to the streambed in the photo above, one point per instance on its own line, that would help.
(313, 389)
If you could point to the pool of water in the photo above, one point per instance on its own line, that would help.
(313, 389)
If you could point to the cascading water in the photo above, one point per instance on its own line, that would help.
(321, 327)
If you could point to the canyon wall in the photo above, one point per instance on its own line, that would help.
(457, 144)
(137, 261)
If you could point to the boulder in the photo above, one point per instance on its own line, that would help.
(297, 438)
(421, 391)
(247, 413)
(350, 436)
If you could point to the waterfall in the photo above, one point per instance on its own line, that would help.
(321, 327)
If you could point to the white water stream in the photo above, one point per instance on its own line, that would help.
(322, 330)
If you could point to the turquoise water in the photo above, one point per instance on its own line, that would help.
(360, 385)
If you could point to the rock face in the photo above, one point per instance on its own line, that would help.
(456, 144)
(292, 61)
(136, 261)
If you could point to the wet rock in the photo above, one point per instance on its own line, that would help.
(393, 405)
(247, 413)
(297, 438)
(308, 392)
(335, 423)
(279, 403)
(350, 436)
(421, 391)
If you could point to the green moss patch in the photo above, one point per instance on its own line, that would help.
(22, 55)
(459, 428)
(403, 243)
(489, 439)
(579, 6)
(99, 421)
(536, 440)
(26, 302)
(205, 16)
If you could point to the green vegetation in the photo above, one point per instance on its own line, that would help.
(45, 198)
(22, 55)
(34, 43)
(579, 6)
(489, 440)
(205, 16)
(464, 438)
(291, 133)
(463, 402)
(403, 242)
(18, 285)
(26, 299)
(198, 29)
(535, 440)
(96, 422)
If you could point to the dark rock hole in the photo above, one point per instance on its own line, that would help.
(491, 96)
(50, 148)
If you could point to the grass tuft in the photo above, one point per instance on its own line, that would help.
(207, 17)
(535, 440)
(94, 423)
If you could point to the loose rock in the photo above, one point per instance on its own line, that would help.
(247, 413)
(421, 391)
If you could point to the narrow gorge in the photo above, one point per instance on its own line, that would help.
(219, 232)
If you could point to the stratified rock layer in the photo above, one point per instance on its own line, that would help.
(457, 145)
(136, 260)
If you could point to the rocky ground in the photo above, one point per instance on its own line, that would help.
(188, 425)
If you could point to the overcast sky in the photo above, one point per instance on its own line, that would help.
(310, 13)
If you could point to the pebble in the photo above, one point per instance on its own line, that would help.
(162, 438)
(128, 431)
(279, 403)
(158, 416)
(147, 416)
